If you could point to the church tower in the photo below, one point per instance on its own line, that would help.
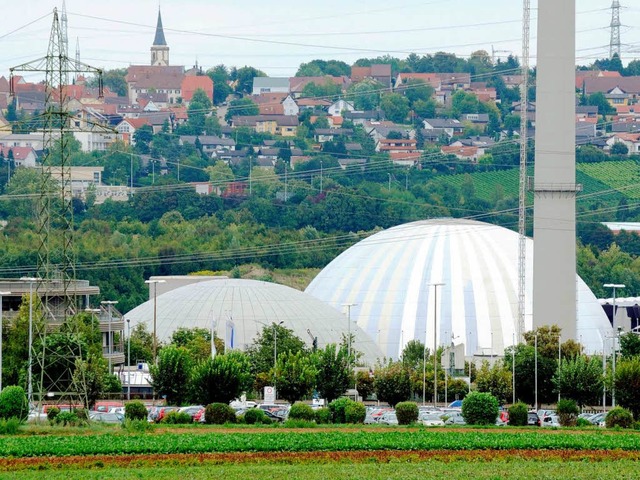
(159, 49)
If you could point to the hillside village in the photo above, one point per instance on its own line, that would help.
(242, 117)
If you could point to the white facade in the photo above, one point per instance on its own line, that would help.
(389, 279)
(340, 106)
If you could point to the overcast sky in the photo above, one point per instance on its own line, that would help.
(277, 35)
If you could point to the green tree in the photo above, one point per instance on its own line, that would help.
(364, 384)
(261, 351)
(425, 108)
(495, 380)
(171, 375)
(245, 76)
(366, 94)
(221, 379)
(414, 353)
(89, 379)
(598, 99)
(333, 377)
(630, 345)
(198, 110)
(141, 344)
(464, 102)
(416, 90)
(580, 379)
(142, 139)
(627, 383)
(395, 107)
(296, 376)
(197, 341)
(392, 383)
(619, 148)
(241, 107)
(328, 90)
(221, 89)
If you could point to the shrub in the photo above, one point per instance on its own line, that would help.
(177, 418)
(337, 409)
(67, 419)
(583, 422)
(9, 426)
(355, 412)
(219, 414)
(13, 403)
(518, 414)
(407, 413)
(52, 413)
(254, 415)
(135, 411)
(301, 411)
(137, 426)
(323, 415)
(619, 417)
(480, 408)
(567, 412)
(83, 416)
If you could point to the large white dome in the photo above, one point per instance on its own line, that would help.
(390, 277)
(239, 309)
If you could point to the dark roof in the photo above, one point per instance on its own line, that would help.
(587, 109)
(625, 127)
(159, 39)
(334, 131)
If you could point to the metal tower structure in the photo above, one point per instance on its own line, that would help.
(56, 259)
(64, 38)
(522, 210)
(614, 44)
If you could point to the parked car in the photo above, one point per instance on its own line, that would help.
(551, 421)
(105, 417)
(191, 410)
(533, 419)
(388, 418)
(454, 418)
(431, 419)
(598, 419)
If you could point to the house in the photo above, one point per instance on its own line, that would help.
(210, 144)
(618, 90)
(429, 78)
(128, 126)
(34, 140)
(96, 141)
(631, 140)
(191, 83)
(378, 130)
(276, 104)
(402, 151)
(380, 72)
(455, 81)
(22, 156)
(512, 81)
(155, 79)
(451, 127)
(270, 85)
(297, 84)
(339, 106)
(312, 103)
(481, 119)
(586, 112)
(352, 163)
(284, 125)
(623, 126)
(463, 153)
(361, 117)
(158, 120)
(516, 107)
(323, 135)
(582, 75)
(82, 178)
(475, 141)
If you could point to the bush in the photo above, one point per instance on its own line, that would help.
(567, 412)
(619, 417)
(219, 414)
(177, 418)
(301, 411)
(518, 414)
(254, 415)
(137, 426)
(52, 414)
(14, 403)
(480, 408)
(135, 411)
(323, 415)
(407, 413)
(337, 409)
(67, 419)
(9, 426)
(355, 412)
(82, 414)
(583, 422)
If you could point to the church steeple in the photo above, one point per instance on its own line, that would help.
(159, 49)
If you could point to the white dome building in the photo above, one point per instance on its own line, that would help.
(390, 277)
(239, 309)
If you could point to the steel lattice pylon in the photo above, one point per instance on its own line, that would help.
(615, 42)
(56, 258)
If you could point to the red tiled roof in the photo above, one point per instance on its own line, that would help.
(431, 78)
(148, 76)
(19, 153)
(404, 155)
(191, 83)
(629, 137)
(460, 151)
(137, 122)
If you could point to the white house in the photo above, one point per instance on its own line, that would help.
(340, 106)
(22, 156)
(270, 85)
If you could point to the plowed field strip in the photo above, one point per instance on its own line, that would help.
(379, 456)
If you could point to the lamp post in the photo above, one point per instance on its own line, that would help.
(424, 367)
(128, 359)
(616, 340)
(435, 339)
(275, 357)
(349, 305)
(155, 316)
(109, 303)
(536, 372)
(559, 360)
(31, 280)
(513, 370)
(320, 176)
(2, 294)
(613, 286)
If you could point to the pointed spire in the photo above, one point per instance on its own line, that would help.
(159, 39)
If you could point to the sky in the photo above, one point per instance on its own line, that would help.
(276, 36)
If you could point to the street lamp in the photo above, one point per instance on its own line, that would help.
(435, 339)
(31, 280)
(275, 357)
(349, 305)
(513, 370)
(155, 316)
(613, 286)
(615, 354)
(424, 366)
(128, 359)
(109, 342)
(536, 371)
(2, 294)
